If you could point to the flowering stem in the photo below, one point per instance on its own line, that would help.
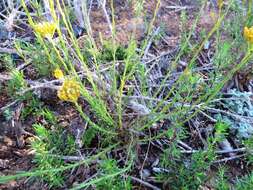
(58, 54)
(86, 118)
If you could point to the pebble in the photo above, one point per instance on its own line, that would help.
(145, 173)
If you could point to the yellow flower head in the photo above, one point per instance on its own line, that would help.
(69, 91)
(58, 73)
(45, 29)
(248, 34)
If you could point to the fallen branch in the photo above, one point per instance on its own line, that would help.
(229, 158)
(219, 151)
(7, 50)
(143, 182)
(2, 109)
(40, 85)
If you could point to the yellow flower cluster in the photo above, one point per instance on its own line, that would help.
(45, 29)
(69, 91)
(248, 34)
(58, 73)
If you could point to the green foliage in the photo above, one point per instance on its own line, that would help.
(222, 181)
(36, 52)
(138, 6)
(220, 131)
(239, 21)
(182, 172)
(71, 15)
(248, 143)
(6, 62)
(41, 63)
(223, 55)
(107, 53)
(190, 83)
(16, 83)
(32, 107)
(8, 114)
(48, 115)
(39, 9)
(245, 183)
(44, 160)
(88, 136)
(184, 42)
(41, 131)
(49, 145)
(109, 166)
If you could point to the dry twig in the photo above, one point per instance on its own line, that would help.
(143, 182)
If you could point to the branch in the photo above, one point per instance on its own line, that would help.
(143, 182)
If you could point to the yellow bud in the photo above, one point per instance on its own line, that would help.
(58, 73)
(248, 34)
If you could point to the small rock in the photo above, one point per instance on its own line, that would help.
(156, 162)
(4, 163)
(145, 173)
